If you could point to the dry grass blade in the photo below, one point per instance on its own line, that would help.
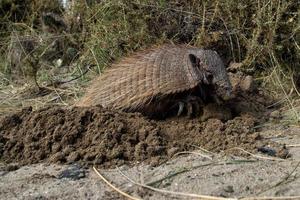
(113, 187)
(202, 149)
(271, 198)
(257, 156)
(185, 194)
(285, 180)
(194, 153)
(185, 169)
(290, 103)
(174, 193)
(293, 145)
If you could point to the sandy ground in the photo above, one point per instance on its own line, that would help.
(222, 176)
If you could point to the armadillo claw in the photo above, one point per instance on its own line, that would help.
(192, 105)
(180, 108)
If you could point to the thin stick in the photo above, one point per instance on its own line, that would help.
(113, 187)
(174, 193)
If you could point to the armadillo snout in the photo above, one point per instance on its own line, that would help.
(228, 95)
(224, 92)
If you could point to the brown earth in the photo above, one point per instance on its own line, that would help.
(104, 137)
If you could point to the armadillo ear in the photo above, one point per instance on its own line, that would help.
(194, 60)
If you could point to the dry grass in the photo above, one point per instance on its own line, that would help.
(172, 193)
(261, 34)
(184, 195)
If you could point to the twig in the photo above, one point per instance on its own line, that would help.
(113, 187)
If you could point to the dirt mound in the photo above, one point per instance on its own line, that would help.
(96, 135)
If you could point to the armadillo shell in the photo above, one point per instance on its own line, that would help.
(133, 82)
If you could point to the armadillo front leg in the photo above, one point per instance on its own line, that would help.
(192, 105)
(189, 107)
(217, 99)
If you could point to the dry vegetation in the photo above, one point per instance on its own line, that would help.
(263, 35)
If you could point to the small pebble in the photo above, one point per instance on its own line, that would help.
(229, 189)
(73, 172)
(247, 84)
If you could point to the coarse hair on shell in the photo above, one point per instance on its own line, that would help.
(135, 81)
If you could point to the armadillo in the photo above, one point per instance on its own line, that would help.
(159, 80)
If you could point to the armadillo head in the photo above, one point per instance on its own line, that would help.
(214, 73)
